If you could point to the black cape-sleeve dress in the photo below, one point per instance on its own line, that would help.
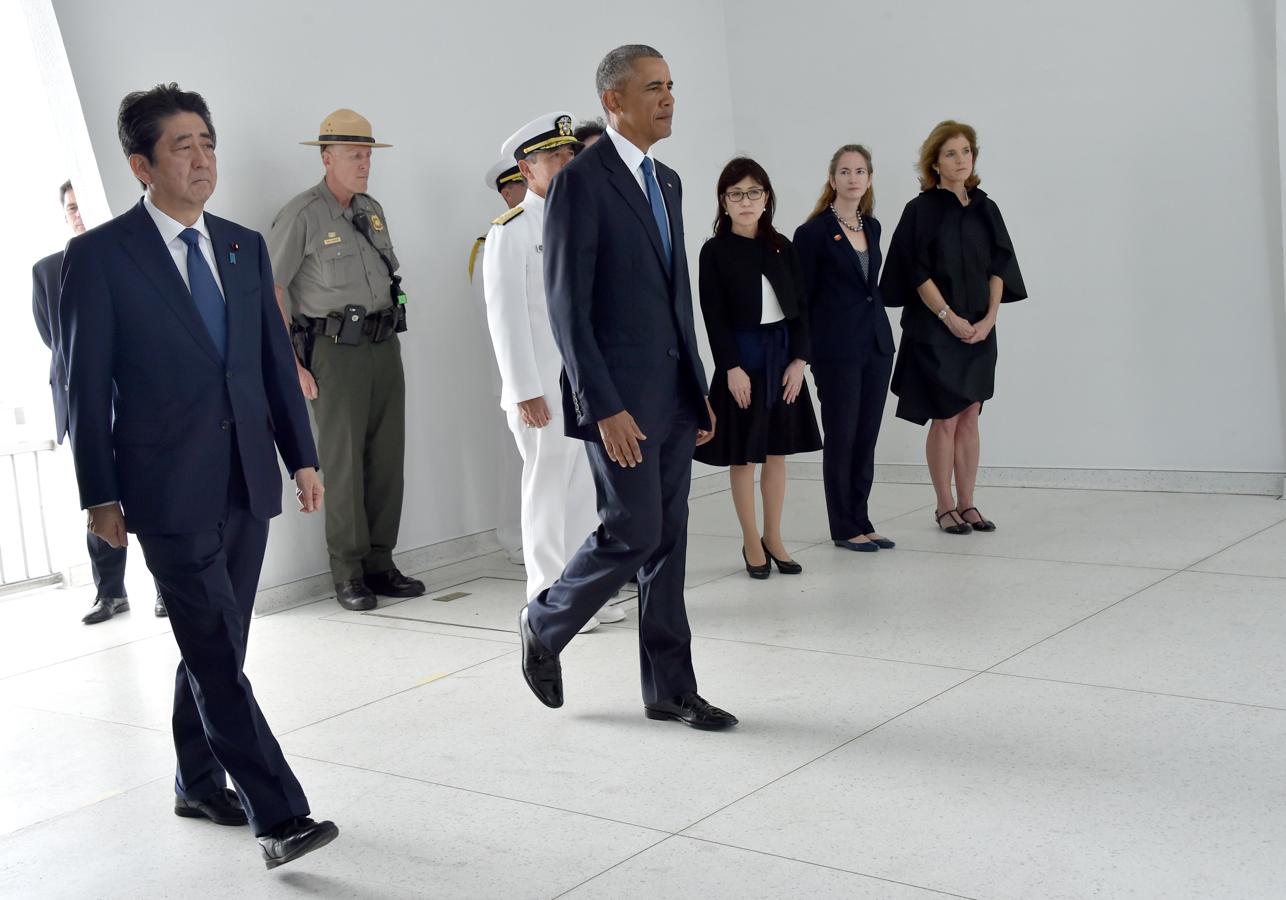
(959, 247)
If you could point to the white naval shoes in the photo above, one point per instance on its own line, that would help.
(609, 614)
(588, 626)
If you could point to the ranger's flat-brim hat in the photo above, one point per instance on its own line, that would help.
(344, 126)
(541, 133)
(503, 171)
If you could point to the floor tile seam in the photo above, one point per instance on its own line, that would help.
(614, 865)
(1130, 690)
(621, 626)
(1192, 571)
(474, 791)
(60, 662)
(169, 776)
(406, 690)
(464, 637)
(821, 865)
(1235, 543)
(1078, 622)
(74, 715)
(1042, 559)
(683, 831)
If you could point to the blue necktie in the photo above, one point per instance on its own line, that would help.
(658, 207)
(205, 292)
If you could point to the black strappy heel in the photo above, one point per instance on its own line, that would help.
(981, 525)
(963, 528)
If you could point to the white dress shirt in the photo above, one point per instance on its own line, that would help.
(171, 229)
(632, 156)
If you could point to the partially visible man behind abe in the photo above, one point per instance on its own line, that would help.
(620, 304)
(181, 390)
(107, 563)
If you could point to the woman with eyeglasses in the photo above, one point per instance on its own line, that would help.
(839, 254)
(752, 303)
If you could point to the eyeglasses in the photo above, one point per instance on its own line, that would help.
(752, 195)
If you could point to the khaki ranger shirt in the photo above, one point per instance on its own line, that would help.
(322, 261)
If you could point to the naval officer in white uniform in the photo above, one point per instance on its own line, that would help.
(558, 496)
(504, 178)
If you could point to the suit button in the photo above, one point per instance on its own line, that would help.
(225, 424)
(870, 299)
(228, 376)
(672, 353)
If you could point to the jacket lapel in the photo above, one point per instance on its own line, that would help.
(229, 275)
(845, 249)
(622, 179)
(152, 256)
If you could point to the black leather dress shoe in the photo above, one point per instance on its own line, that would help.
(293, 838)
(540, 666)
(159, 608)
(104, 608)
(222, 808)
(355, 595)
(691, 710)
(394, 584)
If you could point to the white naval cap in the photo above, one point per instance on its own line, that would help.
(541, 133)
(503, 171)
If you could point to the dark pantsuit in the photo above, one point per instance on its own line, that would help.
(208, 580)
(360, 413)
(644, 515)
(108, 566)
(852, 398)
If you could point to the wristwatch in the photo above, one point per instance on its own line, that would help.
(942, 313)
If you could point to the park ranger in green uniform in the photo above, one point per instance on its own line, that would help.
(338, 288)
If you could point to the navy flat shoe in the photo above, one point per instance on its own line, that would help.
(883, 543)
(864, 547)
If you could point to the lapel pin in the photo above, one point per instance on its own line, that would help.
(837, 237)
(232, 253)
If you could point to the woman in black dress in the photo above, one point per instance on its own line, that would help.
(951, 265)
(839, 255)
(753, 309)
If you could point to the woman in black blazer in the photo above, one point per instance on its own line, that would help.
(839, 254)
(752, 302)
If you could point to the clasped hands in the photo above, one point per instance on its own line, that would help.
(974, 333)
(108, 522)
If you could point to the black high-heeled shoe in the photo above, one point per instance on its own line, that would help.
(784, 566)
(759, 572)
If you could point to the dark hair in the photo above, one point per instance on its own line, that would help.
(588, 129)
(740, 167)
(866, 206)
(62, 192)
(139, 122)
(617, 65)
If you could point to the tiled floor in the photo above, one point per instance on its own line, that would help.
(1090, 702)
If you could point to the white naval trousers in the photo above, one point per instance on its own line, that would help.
(559, 504)
(508, 489)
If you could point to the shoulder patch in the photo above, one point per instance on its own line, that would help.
(507, 217)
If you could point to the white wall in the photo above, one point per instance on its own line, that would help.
(445, 83)
(1132, 148)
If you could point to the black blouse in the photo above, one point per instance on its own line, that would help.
(731, 284)
(959, 247)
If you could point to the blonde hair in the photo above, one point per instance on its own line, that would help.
(932, 148)
(867, 204)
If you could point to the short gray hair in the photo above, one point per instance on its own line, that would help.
(616, 66)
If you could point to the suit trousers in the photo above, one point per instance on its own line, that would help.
(208, 581)
(558, 499)
(852, 398)
(360, 414)
(107, 563)
(644, 531)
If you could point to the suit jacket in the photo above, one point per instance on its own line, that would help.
(617, 309)
(45, 292)
(156, 415)
(846, 318)
(732, 270)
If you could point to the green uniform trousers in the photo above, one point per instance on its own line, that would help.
(360, 418)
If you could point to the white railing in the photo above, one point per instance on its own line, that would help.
(24, 531)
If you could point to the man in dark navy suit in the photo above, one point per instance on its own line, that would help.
(107, 563)
(181, 390)
(634, 388)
